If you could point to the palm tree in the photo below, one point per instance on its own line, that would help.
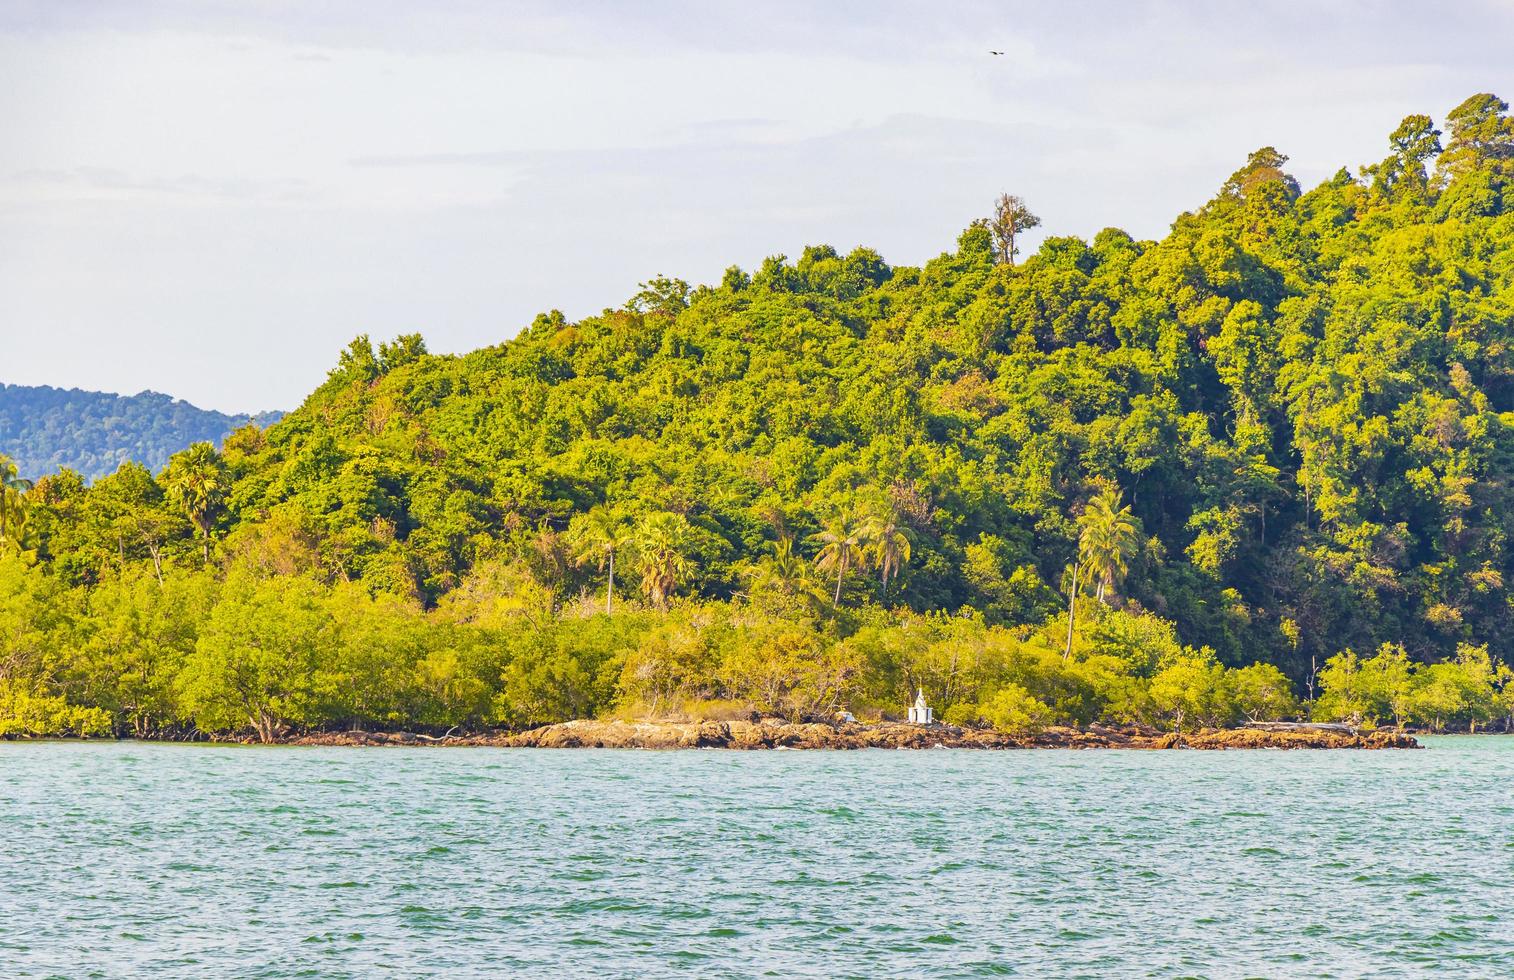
(595, 537)
(889, 543)
(787, 572)
(661, 540)
(196, 483)
(1109, 533)
(843, 543)
(12, 490)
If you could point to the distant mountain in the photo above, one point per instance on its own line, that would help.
(94, 432)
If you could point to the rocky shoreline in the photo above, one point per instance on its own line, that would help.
(772, 733)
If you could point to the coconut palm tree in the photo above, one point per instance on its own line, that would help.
(13, 488)
(595, 537)
(1108, 534)
(888, 543)
(843, 543)
(786, 571)
(196, 483)
(662, 541)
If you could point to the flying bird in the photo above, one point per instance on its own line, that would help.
(996, 52)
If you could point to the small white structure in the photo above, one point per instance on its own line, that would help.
(921, 713)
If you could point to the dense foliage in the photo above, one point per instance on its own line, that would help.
(1280, 434)
(45, 429)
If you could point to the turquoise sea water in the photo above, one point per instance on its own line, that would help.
(134, 860)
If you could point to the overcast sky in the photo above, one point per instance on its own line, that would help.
(210, 199)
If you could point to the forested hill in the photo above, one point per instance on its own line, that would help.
(1304, 398)
(1283, 433)
(44, 429)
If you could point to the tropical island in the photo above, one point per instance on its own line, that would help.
(1257, 470)
(45, 429)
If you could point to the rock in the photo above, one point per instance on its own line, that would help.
(775, 733)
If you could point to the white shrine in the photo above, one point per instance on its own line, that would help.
(921, 713)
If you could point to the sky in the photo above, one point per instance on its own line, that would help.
(211, 199)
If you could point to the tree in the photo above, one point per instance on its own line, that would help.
(196, 481)
(257, 657)
(1191, 686)
(12, 500)
(1011, 709)
(791, 670)
(1261, 692)
(1481, 135)
(1342, 697)
(888, 543)
(661, 295)
(356, 364)
(132, 640)
(843, 543)
(405, 349)
(1012, 217)
(1461, 689)
(662, 541)
(1403, 173)
(128, 507)
(1072, 606)
(1386, 683)
(1109, 535)
(595, 537)
(1263, 166)
(785, 571)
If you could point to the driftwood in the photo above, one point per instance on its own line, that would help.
(1302, 726)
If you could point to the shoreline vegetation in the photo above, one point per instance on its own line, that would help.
(1259, 470)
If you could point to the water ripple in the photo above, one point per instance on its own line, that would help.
(198, 861)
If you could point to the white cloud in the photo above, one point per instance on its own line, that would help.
(210, 199)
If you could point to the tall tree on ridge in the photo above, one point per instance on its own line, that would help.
(1403, 173)
(1263, 166)
(1012, 216)
(1480, 134)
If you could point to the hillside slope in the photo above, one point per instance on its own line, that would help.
(1121, 479)
(44, 429)
(1304, 398)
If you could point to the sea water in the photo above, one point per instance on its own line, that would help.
(128, 859)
